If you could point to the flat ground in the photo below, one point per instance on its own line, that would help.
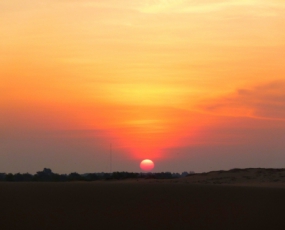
(144, 204)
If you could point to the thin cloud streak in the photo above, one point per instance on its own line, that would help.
(265, 101)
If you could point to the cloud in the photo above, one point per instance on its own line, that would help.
(265, 101)
(184, 6)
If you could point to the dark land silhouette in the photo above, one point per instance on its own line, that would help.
(48, 175)
(215, 200)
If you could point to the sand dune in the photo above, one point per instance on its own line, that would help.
(249, 177)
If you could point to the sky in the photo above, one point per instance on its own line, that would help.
(192, 85)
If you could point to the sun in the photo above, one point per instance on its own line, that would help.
(147, 165)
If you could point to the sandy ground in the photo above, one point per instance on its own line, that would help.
(141, 204)
(246, 177)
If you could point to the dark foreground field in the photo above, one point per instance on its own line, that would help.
(112, 205)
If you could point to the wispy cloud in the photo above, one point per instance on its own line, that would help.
(265, 101)
(203, 6)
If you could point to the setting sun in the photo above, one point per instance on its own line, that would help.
(147, 165)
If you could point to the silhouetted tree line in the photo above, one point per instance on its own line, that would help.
(48, 175)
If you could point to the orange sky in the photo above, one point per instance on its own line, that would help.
(153, 77)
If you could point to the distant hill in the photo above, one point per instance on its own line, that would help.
(238, 176)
